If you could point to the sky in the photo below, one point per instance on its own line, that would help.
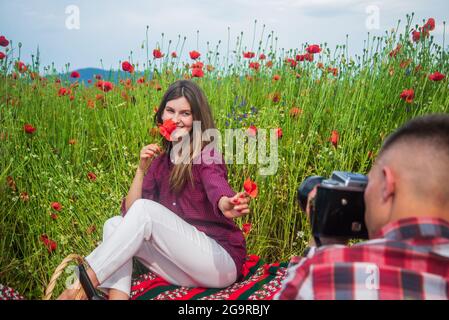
(100, 33)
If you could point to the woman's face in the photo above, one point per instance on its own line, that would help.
(180, 112)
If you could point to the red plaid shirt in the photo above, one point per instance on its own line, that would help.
(408, 259)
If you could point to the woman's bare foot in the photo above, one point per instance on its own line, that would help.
(115, 294)
(73, 293)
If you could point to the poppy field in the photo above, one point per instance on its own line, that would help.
(70, 148)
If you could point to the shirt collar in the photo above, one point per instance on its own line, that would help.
(415, 227)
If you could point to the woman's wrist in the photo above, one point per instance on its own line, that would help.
(220, 203)
(140, 171)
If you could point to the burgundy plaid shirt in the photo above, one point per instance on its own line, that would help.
(408, 259)
(198, 204)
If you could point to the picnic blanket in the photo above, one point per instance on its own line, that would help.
(261, 281)
(8, 293)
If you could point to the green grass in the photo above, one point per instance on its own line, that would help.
(362, 103)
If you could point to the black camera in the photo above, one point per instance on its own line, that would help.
(338, 209)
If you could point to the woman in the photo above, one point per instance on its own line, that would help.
(177, 216)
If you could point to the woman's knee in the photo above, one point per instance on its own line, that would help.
(142, 208)
(110, 225)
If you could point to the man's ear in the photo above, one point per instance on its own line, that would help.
(388, 183)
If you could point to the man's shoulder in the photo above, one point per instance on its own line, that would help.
(352, 253)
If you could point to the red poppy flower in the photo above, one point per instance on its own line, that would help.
(174, 55)
(197, 64)
(276, 77)
(21, 66)
(431, 23)
(334, 71)
(166, 128)
(408, 95)
(405, 63)
(2, 56)
(416, 35)
(279, 133)
(3, 41)
(254, 65)
(92, 176)
(29, 128)
(91, 229)
(250, 188)
(127, 67)
(292, 62)
(251, 131)
(436, 76)
(246, 228)
(141, 80)
(194, 54)
(90, 104)
(64, 92)
(56, 205)
(249, 55)
(308, 57)
(314, 48)
(89, 81)
(24, 196)
(275, 97)
(262, 56)
(428, 26)
(394, 52)
(157, 54)
(334, 138)
(300, 57)
(197, 73)
(269, 64)
(105, 85)
(11, 183)
(75, 74)
(50, 244)
(54, 216)
(295, 111)
(98, 76)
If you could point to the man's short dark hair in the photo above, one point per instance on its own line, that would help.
(431, 129)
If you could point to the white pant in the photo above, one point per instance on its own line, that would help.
(165, 244)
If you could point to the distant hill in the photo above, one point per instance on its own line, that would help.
(108, 75)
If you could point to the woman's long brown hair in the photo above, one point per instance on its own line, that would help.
(201, 111)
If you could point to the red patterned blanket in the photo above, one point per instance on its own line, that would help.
(261, 282)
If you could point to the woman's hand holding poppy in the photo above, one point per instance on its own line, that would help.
(146, 156)
(236, 206)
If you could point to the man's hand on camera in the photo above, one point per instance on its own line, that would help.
(310, 199)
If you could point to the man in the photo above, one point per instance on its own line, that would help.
(407, 216)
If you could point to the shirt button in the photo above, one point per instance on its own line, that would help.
(174, 203)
